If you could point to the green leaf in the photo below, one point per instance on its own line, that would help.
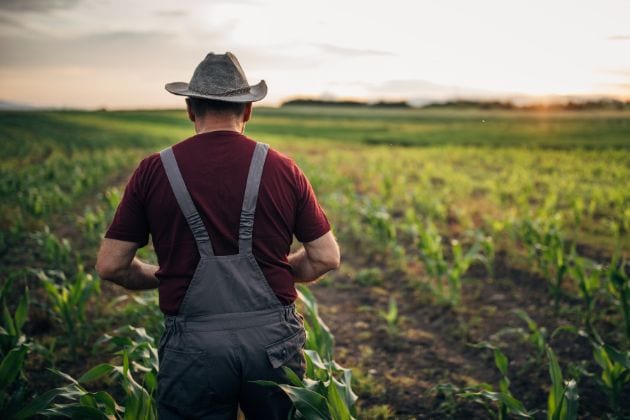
(319, 337)
(513, 405)
(310, 404)
(617, 356)
(96, 372)
(292, 377)
(88, 400)
(349, 395)
(501, 361)
(107, 400)
(265, 383)
(9, 324)
(150, 382)
(21, 312)
(556, 393)
(76, 412)
(64, 375)
(336, 404)
(40, 403)
(11, 366)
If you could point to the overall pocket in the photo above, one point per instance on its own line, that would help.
(182, 379)
(288, 352)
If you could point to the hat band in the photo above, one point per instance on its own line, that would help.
(228, 93)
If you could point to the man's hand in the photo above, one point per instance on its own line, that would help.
(315, 259)
(116, 262)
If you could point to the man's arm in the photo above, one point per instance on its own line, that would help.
(315, 259)
(116, 262)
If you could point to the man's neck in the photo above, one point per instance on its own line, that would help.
(208, 125)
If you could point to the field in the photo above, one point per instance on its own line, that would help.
(483, 260)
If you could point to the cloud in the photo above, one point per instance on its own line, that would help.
(352, 52)
(36, 5)
(6, 21)
(619, 38)
(171, 13)
(105, 49)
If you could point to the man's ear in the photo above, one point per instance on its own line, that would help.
(248, 112)
(191, 114)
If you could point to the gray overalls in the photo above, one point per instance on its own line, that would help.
(231, 329)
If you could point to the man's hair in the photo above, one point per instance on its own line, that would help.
(201, 107)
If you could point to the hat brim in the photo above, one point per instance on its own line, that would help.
(256, 92)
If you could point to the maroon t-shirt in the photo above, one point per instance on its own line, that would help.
(214, 167)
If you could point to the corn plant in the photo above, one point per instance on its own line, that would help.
(537, 336)
(562, 401)
(53, 250)
(77, 402)
(615, 372)
(447, 275)
(459, 266)
(546, 248)
(391, 317)
(68, 300)
(487, 251)
(507, 404)
(430, 246)
(381, 228)
(563, 396)
(93, 223)
(619, 288)
(139, 358)
(588, 277)
(13, 351)
(11, 331)
(326, 390)
(318, 335)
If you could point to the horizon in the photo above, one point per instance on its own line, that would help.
(88, 54)
(526, 105)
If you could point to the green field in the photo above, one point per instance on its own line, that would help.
(469, 238)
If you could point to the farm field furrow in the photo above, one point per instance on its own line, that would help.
(481, 250)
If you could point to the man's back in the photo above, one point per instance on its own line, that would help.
(214, 167)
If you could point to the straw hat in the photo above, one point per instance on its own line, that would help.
(219, 77)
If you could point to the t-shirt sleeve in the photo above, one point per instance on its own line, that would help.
(130, 221)
(311, 221)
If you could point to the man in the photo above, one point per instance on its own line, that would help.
(222, 211)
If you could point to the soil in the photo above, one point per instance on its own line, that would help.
(433, 345)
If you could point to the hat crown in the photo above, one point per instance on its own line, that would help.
(219, 77)
(219, 74)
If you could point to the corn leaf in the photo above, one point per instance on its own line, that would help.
(617, 356)
(336, 404)
(292, 377)
(40, 403)
(310, 404)
(11, 366)
(96, 372)
(21, 312)
(555, 399)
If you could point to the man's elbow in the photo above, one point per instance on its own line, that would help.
(106, 270)
(333, 259)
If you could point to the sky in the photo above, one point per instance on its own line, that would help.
(119, 54)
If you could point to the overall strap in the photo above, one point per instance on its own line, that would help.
(246, 227)
(185, 202)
